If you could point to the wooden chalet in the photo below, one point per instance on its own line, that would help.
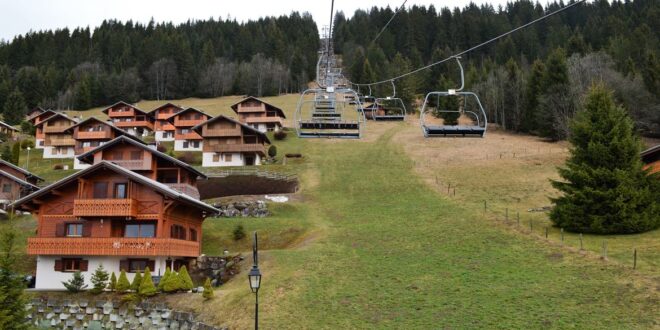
(7, 129)
(651, 158)
(228, 142)
(163, 128)
(185, 138)
(36, 120)
(14, 186)
(109, 215)
(33, 113)
(258, 114)
(20, 172)
(57, 143)
(134, 155)
(91, 133)
(130, 118)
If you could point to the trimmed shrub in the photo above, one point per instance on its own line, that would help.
(137, 280)
(280, 135)
(163, 279)
(99, 279)
(27, 143)
(186, 281)
(147, 287)
(112, 286)
(272, 151)
(208, 290)
(123, 284)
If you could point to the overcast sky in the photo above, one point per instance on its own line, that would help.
(21, 16)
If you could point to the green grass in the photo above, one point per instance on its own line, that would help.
(24, 227)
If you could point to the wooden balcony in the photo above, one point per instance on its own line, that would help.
(259, 148)
(55, 128)
(164, 116)
(137, 123)
(112, 246)
(187, 122)
(164, 126)
(133, 164)
(185, 189)
(82, 150)
(117, 113)
(222, 131)
(187, 136)
(63, 142)
(84, 135)
(256, 108)
(264, 120)
(126, 207)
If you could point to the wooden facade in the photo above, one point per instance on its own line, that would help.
(259, 114)
(7, 129)
(130, 118)
(57, 142)
(92, 133)
(225, 138)
(162, 126)
(13, 188)
(651, 159)
(19, 172)
(38, 117)
(185, 138)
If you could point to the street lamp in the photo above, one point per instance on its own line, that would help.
(254, 278)
(27, 166)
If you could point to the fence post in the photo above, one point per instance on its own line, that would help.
(518, 216)
(448, 188)
(546, 232)
(604, 249)
(581, 245)
(531, 225)
(562, 236)
(454, 191)
(506, 214)
(635, 259)
(485, 206)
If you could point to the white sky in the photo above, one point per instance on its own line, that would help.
(21, 16)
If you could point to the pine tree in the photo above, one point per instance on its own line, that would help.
(15, 153)
(12, 298)
(208, 289)
(448, 103)
(164, 278)
(137, 280)
(173, 283)
(531, 100)
(6, 154)
(186, 281)
(147, 287)
(14, 108)
(76, 283)
(555, 97)
(604, 188)
(83, 96)
(112, 285)
(99, 279)
(123, 284)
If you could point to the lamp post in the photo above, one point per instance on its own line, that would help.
(255, 281)
(27, 166)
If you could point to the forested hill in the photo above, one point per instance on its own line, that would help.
(130, 61)
(612, 42)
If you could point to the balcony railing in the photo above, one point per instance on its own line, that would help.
(60, 142)
(257, 108)
(133, 164)
(82, 150)
(264, 120)
(222, 131)
(185, 189)
(187, 136)
(94, 135)
(236, 148)
(112, 246)
(135, 123)
(125, 207)
(164, 126)
(116, 113)
(164, 116)
(55, 128)
(187, 122)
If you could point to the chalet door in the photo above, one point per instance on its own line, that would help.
(249, 160)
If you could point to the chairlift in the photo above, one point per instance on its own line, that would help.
(390, 107)
(478, 115)
(327, 113)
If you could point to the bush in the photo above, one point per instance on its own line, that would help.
(162, 148)
(137, 280)
(186, 281)
(99, 279)
(27, 143)
(280, 135)
(27, 128)
(239, 233)
(113, 282)
(272, 151)
(15, 153)
(147, 287)
(76, 283)
(122, 283)
(58, 166)
(163, 279)
(189, 157)
(172, 283)
(208, 290)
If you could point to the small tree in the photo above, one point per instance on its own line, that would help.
(239, 233)
(15, 153)
(123, 284)
(112, 286)
(208, 290)
(137, 280)
(12, 298)
(272, 151)
(147, 287)
(27, 128)
(605, 190)
(6, 154)
(186, 281)
(280, 134)
(99, 279)
(163, 279)
(173, 283)
(76, 283)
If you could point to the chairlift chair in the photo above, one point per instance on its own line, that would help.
(389, 108)
(480, 121)
(326, 115)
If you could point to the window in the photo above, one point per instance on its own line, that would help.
(193, 235)
(227, 157)
(216, 158)
(136, 155)
(74, 230)
(120, 190)
(100, 190)
(178, 232)
(195, 144)
(71, 265)
(137, 265)
(117, 155)
(186, 144)
(6, 187)
(140, 230)
(185, 131)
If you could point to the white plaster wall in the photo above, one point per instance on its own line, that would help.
(160, 137)
(237, 159)
(48, 278)
(38, 143)
(48, 153)
(78, 165)
(178, 146)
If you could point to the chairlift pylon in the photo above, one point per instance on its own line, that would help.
(480, 121)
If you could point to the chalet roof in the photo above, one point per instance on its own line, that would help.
(56, 115)
(27, 173)
(42, 113)
(188, 110)
(18, 180)
(2, 123)
(280, 112)
(112, 126)
(651, 154)
(163, 106)
(160, 187)
(219, 117)
(88, 156)
(36, 109)
(105, 111)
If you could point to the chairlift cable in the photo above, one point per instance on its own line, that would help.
(388, 22)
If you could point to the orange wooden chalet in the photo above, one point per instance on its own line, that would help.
(20, 172)
(185, 138)
(163, 128)
(15, 182)
(91, 133)
(109, 215)
(130, 118)
(228, 142)
(34, 112)
(57, 143)
(7, 129)
(258, 114)
(651, 158)
(35, 119)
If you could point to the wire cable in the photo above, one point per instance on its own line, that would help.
(472, 48)
(388, 22)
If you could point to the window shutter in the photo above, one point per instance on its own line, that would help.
(87, 229)
(151, 264)
(60, 230)
(83, 265)
(123, 265)
(58, 265)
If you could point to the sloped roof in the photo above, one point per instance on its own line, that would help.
(105, 111)
(188, 110)
(2, 123)
(52, 112)
(112, 126)
(18, 180)
(219, 117)
(163, 106)
(650, 153)
(56, 115)
(86, 157)
(22, 170)
(162, 188)
(268, 105)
